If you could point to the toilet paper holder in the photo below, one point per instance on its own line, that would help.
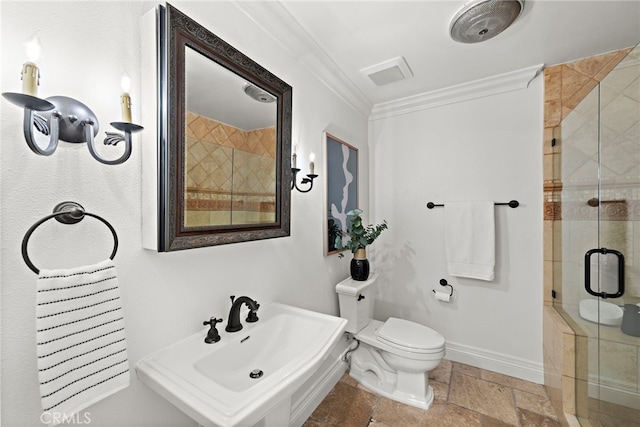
(443, 282)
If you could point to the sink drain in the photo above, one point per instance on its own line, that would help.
(256, 373)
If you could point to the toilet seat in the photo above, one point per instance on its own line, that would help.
(410, 336)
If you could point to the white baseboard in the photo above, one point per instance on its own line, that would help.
(497, 362)
(317, 388)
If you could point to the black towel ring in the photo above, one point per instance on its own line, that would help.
(65, 213)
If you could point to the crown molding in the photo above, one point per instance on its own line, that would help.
(514, 80)
(276, 20)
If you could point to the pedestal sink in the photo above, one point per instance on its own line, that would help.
(248, 377)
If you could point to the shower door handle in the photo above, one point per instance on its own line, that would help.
(587, 272)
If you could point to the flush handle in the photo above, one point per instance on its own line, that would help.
(360, 297)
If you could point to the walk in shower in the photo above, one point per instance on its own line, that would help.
(596, 235)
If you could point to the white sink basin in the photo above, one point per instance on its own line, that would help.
(211, 382)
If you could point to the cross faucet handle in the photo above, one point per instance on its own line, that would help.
(212, 335)
(213, 321)
(253, 317)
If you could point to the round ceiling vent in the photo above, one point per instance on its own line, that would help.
(484, 19)
(258, 94)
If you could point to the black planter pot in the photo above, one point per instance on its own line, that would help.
(360, 269)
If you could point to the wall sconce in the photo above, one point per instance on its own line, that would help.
(64, 118)
(294, 173)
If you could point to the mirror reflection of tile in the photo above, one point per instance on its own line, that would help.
(230, 173)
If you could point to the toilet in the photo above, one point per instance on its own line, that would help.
(393, 358)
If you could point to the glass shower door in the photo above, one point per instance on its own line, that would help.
(615, 400)
(600, 234)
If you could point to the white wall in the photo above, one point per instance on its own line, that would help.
(86, 48)
(481, 149)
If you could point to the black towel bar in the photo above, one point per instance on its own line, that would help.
(511, 204)
(66, 213)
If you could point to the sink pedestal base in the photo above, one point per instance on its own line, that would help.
(278, 417)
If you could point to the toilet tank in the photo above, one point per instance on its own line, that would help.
(356, 302)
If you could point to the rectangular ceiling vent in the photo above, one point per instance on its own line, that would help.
(388, 71)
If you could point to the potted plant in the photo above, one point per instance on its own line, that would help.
(360, 236)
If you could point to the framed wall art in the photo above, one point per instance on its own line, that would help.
(341, 188)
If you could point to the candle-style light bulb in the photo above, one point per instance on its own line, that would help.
(33, 48)
(125, 99)
(30, 72)
(312, 157)
(125, 83)
(294, 156)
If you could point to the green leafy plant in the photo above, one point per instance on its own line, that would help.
(360, 236)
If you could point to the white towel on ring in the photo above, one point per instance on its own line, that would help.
(81, 347)
(470, 239)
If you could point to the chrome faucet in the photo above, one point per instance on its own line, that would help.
(233, 324)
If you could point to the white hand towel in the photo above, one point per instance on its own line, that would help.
(470, 239)
(81, 347)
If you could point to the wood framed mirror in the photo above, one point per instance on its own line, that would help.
(225, 141)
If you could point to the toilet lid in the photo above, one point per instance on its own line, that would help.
(410, 335)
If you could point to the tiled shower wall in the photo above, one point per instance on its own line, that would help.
(230, 173)
(569, 181)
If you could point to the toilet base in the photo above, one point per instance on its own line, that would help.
(370, 382)
(370, 370)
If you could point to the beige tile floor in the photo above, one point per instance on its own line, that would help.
(464, 396)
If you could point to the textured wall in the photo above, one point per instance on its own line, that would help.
(483, 149)
(86, 48)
